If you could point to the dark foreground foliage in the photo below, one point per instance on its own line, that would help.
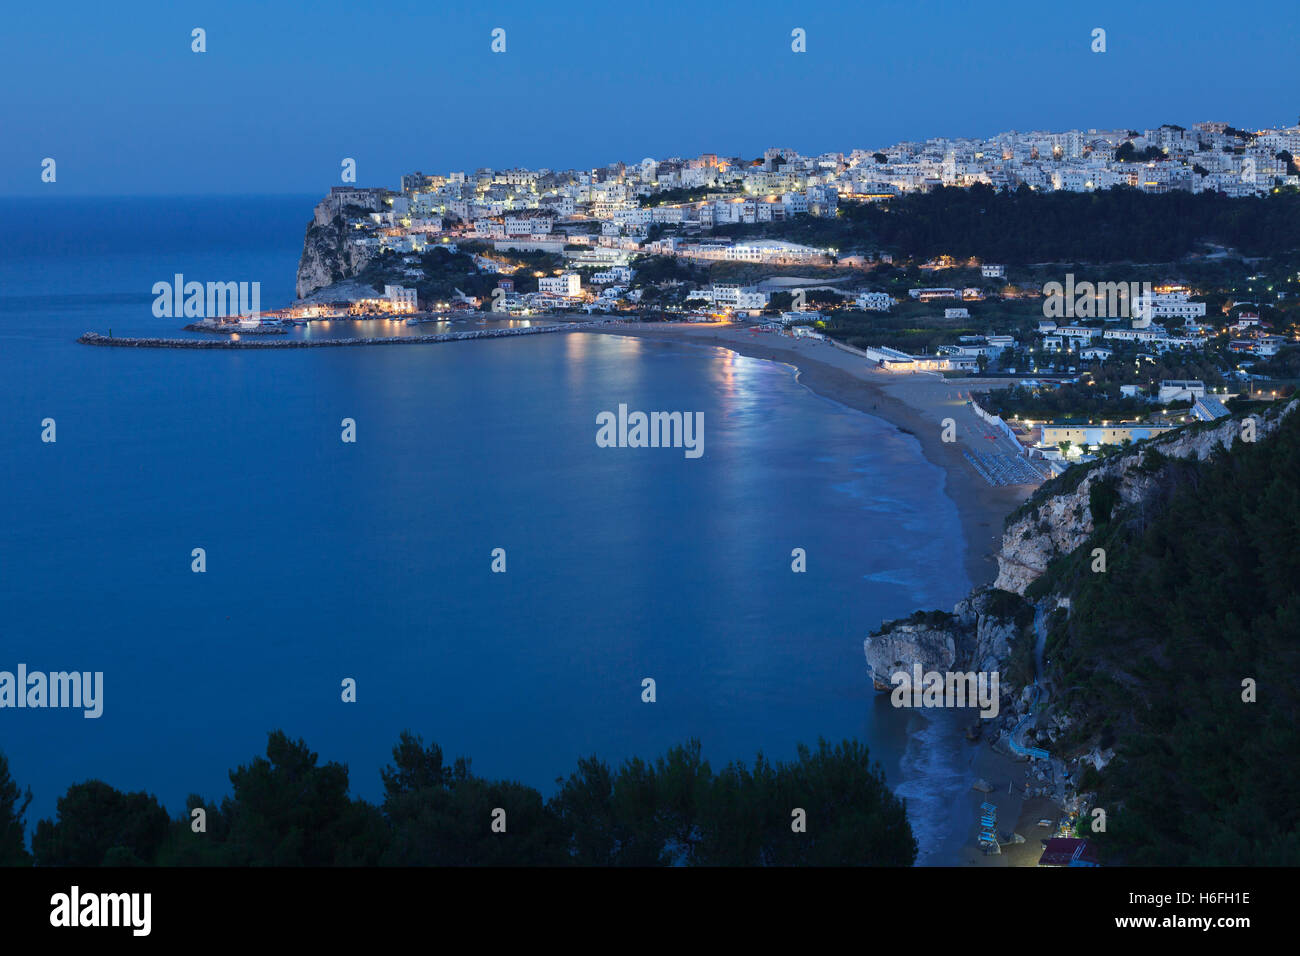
(287, 809)
(1199, 596)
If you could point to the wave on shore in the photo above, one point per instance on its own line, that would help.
(933, 783)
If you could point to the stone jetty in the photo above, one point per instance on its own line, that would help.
(94, 338)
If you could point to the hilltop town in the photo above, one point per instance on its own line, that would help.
(599, 218)
(1127, 296)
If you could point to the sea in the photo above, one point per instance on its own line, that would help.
(371, 561)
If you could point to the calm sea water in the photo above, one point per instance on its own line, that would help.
(371, 560)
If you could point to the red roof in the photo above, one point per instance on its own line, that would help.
(1067, 851)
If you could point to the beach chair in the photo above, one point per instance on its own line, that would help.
(987, 806)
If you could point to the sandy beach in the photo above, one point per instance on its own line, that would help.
(1016, 813)
(916, 403)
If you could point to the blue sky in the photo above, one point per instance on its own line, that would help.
(285, 91)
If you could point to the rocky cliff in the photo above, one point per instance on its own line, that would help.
(1058, 518)
(976, 636)
(1088, 706)
(327, 255)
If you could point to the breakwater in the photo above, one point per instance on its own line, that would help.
(94, 338)
(220, 330)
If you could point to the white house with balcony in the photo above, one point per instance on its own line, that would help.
(874, 301)
(727, 295)
(569, 285)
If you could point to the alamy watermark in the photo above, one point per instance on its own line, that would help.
(77, 909)
(1100, 300)
(37, 689)
(950, 689)
(195, 300)
(651, 430)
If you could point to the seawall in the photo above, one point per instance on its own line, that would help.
(94, 338)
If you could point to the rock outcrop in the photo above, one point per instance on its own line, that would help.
(1059, 523)
(976, 636)
(900, 644)
(328, 256)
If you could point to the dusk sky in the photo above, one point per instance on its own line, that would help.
(284, 92)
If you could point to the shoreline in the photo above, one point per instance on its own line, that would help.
(916, 404)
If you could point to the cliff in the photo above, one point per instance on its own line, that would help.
(327, 255)
(1054, 522)
(1143, 705)
(1058, 518)
(976, 636)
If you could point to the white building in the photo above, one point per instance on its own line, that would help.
(1134, 335)
(874, 301)
(1173, 390)
(569, 284)
(402, 299)
(804, 332)
(732, 296)
(1168, 305)
(772, 251)
(614, 274)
